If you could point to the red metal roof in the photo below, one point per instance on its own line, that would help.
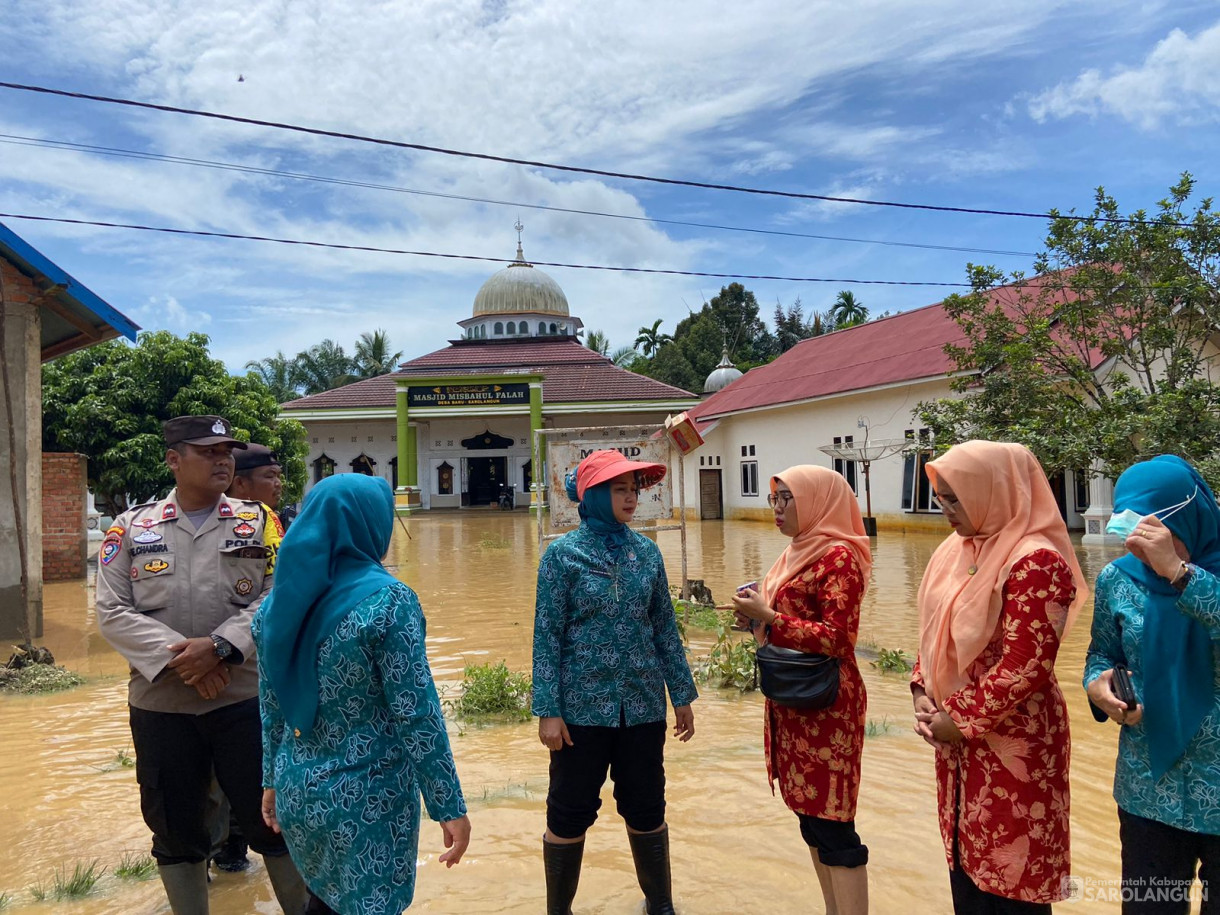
(901, 348)
(571, 373)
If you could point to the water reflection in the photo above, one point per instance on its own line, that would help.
(62, 801)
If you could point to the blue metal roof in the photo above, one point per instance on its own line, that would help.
(73, 315)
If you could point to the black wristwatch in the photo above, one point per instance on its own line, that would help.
(222, 647)
(1185, 574)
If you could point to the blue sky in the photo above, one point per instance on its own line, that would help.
(1026, 106)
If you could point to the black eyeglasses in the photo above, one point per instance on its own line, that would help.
(780, 498)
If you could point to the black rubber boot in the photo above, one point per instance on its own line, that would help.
(562, 864)
(651, 854)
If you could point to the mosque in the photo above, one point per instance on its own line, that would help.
(456, 428)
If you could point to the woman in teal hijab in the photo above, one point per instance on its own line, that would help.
(1157, 613)
(352, 726)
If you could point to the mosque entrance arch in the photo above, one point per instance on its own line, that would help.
(484, 477)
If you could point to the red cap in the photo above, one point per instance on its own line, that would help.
(601, 466)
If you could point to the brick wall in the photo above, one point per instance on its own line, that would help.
(64, 537)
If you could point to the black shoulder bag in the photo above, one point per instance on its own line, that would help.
(797, 679)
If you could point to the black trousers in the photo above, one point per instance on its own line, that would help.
(968, 899)
(1159, 864)
(635, 757)
(175, 758)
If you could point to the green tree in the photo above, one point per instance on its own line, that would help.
(597, 341)
(791, 327)
(108, 402)
(279, 374)
(373, 356)
(325, 366)
(1103, 357)
(651, 339)
(847, 311)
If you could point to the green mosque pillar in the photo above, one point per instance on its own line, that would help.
(538, 473)
(406, 497)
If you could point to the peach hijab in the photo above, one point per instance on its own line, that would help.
(828, 514)
(1006, 496)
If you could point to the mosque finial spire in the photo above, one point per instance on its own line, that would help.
(519, 227)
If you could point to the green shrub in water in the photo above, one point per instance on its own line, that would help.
(730, 663)
(891, 660)
(876, 728)
(5, 900)
(134, 866)
(699, 616)
(492, 690)
(39, 678)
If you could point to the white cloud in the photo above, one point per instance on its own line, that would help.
(167, 313)
(1178, 81)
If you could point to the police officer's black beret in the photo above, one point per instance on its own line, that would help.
(255, 456)
(199, 430)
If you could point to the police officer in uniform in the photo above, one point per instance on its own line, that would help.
(178, 582)
(257, 477)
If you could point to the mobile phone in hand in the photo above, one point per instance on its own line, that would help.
(1123, 688)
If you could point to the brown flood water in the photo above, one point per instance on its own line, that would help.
(736, 848)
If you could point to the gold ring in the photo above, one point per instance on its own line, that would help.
(1144, 534)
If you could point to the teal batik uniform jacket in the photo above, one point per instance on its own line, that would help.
(606, 642)
(1188, 795)
(348, 793)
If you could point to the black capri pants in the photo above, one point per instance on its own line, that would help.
(175, 756)
(838, 843)
(635, 757)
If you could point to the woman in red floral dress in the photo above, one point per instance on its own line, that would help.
(996, 599)
(810, 601)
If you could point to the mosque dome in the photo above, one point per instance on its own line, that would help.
(722, 376)
(520, 288)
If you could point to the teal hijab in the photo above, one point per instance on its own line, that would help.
(1176, 648)
(596, 511)
(328, 562)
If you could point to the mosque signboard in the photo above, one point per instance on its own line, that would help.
(564, 454)
(467, 395)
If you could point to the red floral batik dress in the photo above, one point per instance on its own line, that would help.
(1003, 791)
(815, 754)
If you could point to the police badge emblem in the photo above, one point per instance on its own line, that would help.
(244, 586)
(247, 516)
(157, 565)
(219, 427)
(245, 529)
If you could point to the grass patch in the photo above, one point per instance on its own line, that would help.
(64, 885)
(493, 691)
(39, 678)
(876, 728)
(730, 663)
(493, 542)
(134, 866)
(891, 661)
(5, 901)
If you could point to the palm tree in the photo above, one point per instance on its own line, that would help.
(624, 357)
(324, 366)
(279, 374)
(373, 356)
(847, 310)
(598, 342)
(651, 339)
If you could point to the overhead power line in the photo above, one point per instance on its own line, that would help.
(573, 169)
(18, 140)
(470, 257)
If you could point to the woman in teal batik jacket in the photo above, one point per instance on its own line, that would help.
(1157, 612)
(352, 727)
(606, 647)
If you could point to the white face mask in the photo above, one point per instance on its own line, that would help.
(1123, 523)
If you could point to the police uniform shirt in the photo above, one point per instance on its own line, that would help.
(161, 581)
